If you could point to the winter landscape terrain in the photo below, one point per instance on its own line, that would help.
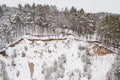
(39, 42)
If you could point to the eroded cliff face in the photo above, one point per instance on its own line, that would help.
(57, 59)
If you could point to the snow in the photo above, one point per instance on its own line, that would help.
(64, 59)
(101, 65)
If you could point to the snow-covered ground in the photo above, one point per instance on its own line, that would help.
(65, 58)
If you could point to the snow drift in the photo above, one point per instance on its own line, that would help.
(65, 58)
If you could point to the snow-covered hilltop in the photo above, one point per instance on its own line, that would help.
(65, 58)
(38, 19)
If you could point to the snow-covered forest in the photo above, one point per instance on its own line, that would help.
(46, 20)
(40, 42)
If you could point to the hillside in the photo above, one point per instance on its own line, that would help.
(64, 58)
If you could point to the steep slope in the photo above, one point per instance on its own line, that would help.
(66, 58)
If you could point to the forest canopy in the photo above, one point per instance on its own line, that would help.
(16, 22)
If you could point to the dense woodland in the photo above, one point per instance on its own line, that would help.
(46, 20)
